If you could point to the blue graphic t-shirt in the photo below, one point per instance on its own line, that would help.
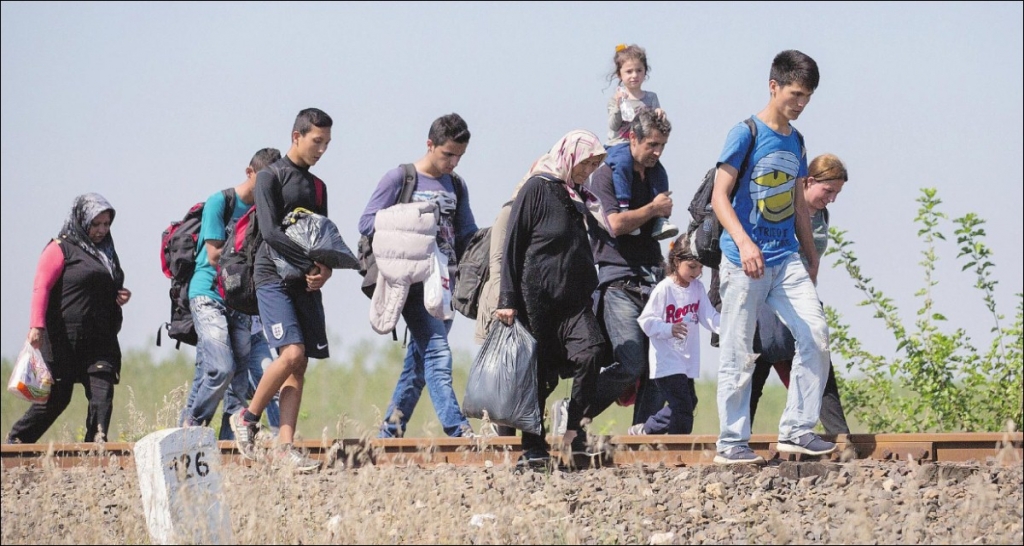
(764, 200)
(213, 228)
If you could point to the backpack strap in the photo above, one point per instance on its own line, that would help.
(408, 183)
(746, 157)
(229, 205)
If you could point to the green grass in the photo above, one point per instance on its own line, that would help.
(342, 398)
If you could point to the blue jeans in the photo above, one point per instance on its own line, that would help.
(221, 353)
(787, 289)
(243, 385)
(620, 310)
(428, 362)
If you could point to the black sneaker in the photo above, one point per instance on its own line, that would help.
(808, 444)
(534, 458)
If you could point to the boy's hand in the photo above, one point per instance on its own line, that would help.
(751, 259)
(679, 330)
(317, 276)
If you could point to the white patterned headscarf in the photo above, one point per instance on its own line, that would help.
(571, 150)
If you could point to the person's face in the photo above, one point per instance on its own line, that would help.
(647, 153)
(821, 193)
(689, 271)
(585, 168)
(312, 145)
(632, 74)
(100, 227)
(445, 158)
(790, 99)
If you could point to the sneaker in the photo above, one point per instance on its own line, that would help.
(245, 435)
(534, 458)
(808, 444)
(286, 455)
(560, 417)
(739, 455)
(637, 430)
(663, 229)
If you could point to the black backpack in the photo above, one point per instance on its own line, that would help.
(474, 270)
(178, 251)
(235, 279)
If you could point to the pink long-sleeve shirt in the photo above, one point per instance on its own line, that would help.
(51, 265)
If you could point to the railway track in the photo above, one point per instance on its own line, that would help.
(670, 450)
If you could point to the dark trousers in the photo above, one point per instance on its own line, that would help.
(676, 417)
(99, 390)
(621, 306)
(832, 416)
(567, 347)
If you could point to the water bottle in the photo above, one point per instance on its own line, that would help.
(625, 109)
(679, 343)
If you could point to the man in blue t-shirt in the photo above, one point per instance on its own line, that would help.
(225, 336)
(766, 224)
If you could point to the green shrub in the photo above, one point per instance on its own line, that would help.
(937, 381)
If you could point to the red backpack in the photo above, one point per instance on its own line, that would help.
(178, 251)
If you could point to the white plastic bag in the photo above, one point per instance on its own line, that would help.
(503, 379)
(31, 378)
(437, 289)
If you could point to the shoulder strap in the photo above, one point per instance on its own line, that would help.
(803, 149)
(746, 157)
(408, 184)
(229, 205)
(319, 186)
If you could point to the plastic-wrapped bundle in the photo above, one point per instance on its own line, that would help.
(321, 240)
(503, 379)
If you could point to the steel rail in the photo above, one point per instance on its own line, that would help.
(668, 450)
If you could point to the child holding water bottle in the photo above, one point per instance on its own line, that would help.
(677, 305)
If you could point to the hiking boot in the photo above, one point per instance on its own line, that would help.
(287, 456)
(808, 444)
(663, 229)
(636, 430)
(245, 435)
(560, 417)
(739, 455)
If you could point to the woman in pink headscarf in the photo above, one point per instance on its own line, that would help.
(548, 277)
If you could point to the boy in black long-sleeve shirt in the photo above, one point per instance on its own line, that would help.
(293, 314)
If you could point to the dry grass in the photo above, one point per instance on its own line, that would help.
(857, 502)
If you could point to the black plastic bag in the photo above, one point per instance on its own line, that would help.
(320, 238)
(503, 379)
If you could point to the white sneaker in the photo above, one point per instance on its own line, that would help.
(560, 416)
(663, 229)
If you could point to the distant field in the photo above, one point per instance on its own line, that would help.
(344, 397)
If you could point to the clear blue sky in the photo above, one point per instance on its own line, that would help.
(158, 105)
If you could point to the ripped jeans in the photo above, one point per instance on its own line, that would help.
(787, 289)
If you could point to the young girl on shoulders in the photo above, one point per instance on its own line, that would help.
(676, 306)
(631, 70)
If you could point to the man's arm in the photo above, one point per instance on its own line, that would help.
(750, 254)
(622, 222)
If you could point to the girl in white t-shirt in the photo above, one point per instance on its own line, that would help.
(677, 304)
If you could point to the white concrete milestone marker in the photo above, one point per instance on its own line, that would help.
(179, 477)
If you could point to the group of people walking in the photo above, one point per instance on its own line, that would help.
(575, 257)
